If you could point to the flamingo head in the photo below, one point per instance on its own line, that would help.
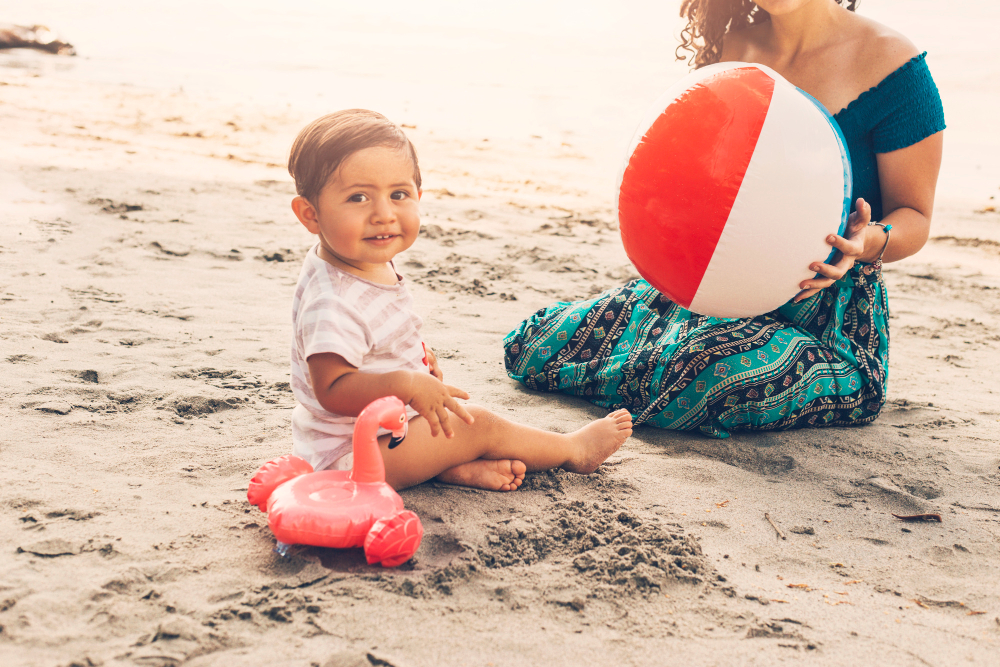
(389, 413)
(392, 417)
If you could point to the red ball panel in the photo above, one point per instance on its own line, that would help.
(682, 178)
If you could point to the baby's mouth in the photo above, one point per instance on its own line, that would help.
(381, 237)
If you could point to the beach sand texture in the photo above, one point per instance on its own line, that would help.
(148, 255)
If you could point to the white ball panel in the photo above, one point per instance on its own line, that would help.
(791, 197)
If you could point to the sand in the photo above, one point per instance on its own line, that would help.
(148, 258)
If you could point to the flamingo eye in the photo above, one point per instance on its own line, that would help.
(402, 418)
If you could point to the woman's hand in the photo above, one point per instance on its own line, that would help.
(848, 251)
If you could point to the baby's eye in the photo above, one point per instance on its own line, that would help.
(399, 195)
(358, 198)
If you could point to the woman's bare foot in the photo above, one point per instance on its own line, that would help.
(598, 440)
(500, 475)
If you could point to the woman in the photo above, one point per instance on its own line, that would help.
(821, 359)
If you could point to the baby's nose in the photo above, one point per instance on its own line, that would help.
(384, 211)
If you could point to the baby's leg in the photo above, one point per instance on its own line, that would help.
(492, 438)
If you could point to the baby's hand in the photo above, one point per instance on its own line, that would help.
(432, 363)
(433, 399)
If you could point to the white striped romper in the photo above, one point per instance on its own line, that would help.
(372, 326)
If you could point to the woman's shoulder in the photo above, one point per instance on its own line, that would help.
(879, 50)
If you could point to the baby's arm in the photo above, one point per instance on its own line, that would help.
(342, 389)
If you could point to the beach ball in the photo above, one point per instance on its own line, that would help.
(730, 186)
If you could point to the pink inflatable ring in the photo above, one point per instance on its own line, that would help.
(339, 508)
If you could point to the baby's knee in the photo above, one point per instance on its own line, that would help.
(484, 422)
(478, 412)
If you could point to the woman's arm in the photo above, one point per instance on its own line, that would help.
(908, 178)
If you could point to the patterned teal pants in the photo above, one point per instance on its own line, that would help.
(821, 362)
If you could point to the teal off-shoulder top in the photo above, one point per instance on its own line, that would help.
(901, 110)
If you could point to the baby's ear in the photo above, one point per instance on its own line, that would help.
(420, 193)
(306, 213)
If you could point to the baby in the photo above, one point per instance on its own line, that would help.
(356, 337)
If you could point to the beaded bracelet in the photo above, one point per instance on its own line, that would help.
(886, 228)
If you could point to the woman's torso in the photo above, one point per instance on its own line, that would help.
(851, 75)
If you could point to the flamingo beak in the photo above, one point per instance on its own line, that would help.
(397, 436)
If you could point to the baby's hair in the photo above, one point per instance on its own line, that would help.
(324, 144)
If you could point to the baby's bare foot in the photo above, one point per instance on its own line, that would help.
(598, 440)
(492, 475)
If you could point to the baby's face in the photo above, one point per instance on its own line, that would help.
(368, 212)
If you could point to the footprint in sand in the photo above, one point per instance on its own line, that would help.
(23, 359)
(111, 206)
(54, 338)
(52, 548)
(170, 252)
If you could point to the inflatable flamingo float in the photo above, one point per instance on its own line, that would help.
(340, 508)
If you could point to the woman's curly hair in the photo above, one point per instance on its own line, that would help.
(710, 20)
